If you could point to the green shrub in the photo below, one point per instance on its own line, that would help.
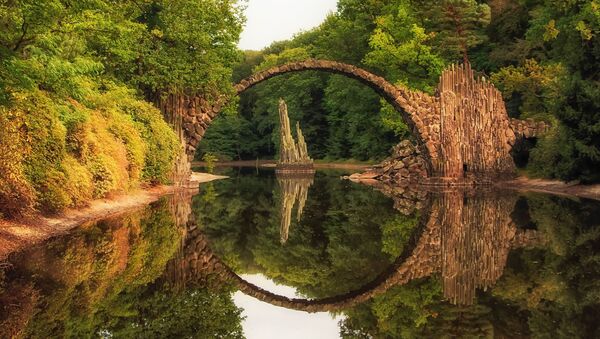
(78, 153)
(210, 160)
(79, 185)
(103, 176)
(162, 144)
(52, 196)
(554, 156)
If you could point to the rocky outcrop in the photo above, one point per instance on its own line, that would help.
(293, 155)
(405, 167)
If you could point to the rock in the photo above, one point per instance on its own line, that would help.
(399, 165)
(404, 166)
(368, 175)
(404, 172)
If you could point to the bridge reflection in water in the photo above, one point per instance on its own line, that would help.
(465, 236)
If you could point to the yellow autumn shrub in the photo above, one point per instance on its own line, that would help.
(16, 194)
(58, 153)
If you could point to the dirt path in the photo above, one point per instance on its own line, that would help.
(553, 187)
(16, 235)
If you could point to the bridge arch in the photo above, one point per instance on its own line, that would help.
(464, 130)
(409, 103)
(416, 108)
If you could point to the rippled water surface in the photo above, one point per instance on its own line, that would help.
(261, 256)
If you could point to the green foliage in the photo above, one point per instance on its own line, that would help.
(396, 233)
(560, 84)
(459, 25)
(539, 87)
(107, 278)
(210, 160)
(82, 152)
(75, 74)
(402, 50)
(16, 194)
(193, 313)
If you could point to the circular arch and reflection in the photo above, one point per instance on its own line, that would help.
(465, 236)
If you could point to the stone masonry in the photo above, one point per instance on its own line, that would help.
(464, 130)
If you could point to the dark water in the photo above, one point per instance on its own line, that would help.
(268, 257)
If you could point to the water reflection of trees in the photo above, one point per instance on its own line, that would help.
(104, 279)
(335, 248)
(541, 292)
(480, 245)
(110, 275)
(466, 237)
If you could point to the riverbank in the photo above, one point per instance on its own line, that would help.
(16, 235)
(525, 184)
(273, 163)
(521, 184)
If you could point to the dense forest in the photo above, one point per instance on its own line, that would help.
(77, 84)
(542, 55)
(79, 79)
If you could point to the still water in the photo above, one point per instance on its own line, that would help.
(259, 256)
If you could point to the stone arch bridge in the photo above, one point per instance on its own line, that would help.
(464, 130)
(466, 239)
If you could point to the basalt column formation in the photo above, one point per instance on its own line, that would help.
(293, 157)
(293, 190)
(475, 132)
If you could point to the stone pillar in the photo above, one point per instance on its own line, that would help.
(172, 108)
(476, 134)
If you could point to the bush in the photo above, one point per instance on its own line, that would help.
(210, 160)
(16, 194)
(79, 151)
(162, 145)
(555, 156)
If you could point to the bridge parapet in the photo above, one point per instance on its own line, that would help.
(529, 128)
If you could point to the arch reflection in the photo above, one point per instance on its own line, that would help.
(465, 236)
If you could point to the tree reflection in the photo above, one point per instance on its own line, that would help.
(542, 291)
(453, 263)
(460, 279)
(105, 280)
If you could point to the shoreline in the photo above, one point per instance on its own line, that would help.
(273, 163)
(524, 184)
(17, 235)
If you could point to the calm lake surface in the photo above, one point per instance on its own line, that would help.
(320, 257)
